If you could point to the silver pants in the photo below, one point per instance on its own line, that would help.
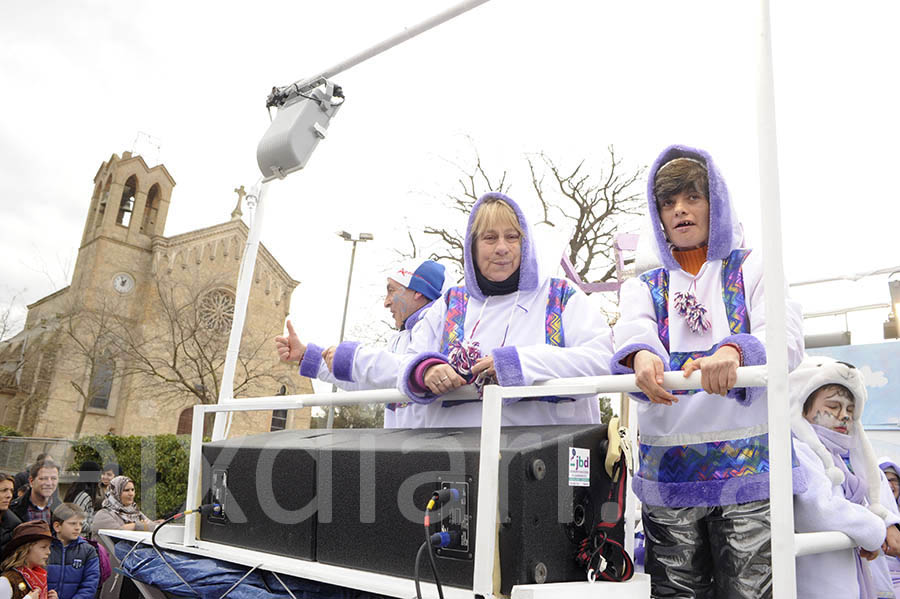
(709, 552)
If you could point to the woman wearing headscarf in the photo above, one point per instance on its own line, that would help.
(508, 325)
(120, 510)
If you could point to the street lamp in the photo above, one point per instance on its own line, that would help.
(892, 324)
(346, 237)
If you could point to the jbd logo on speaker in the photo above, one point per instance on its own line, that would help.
(579, 467)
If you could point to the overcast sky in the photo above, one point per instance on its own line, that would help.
(567, 77)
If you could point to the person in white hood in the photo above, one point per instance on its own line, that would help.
(508, 324)
(704, 455)
(845, 490)
(892, 474)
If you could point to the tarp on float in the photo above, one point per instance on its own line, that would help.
(211, 578)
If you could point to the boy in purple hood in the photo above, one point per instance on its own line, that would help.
(704, 457)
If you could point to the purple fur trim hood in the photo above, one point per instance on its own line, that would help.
(343, 360)
(528, 269)
(312, 359)
(724, 229)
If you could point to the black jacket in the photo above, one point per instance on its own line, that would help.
(7, 523)
(19, 505)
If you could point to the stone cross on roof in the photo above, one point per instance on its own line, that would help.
(236, 213)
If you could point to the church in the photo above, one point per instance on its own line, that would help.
(140, 334)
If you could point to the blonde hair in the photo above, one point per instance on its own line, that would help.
(494, 212)
(17, 558)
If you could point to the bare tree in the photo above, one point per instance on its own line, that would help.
(10, 323)
(470, 186)
(179, 354)
(91, 339)
(184, 353)
(593, 203)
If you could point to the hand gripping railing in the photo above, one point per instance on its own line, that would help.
(485, 544)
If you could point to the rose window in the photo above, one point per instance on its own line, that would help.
(217, 310)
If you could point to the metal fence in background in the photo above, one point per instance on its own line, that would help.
(18, 453)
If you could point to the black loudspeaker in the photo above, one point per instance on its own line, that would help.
(265, 486)
(356, 498)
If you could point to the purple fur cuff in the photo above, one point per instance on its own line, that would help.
(312, 360)
(753, 353)
(407, 378)
(617, 367)
(509, 369)
(343, 360)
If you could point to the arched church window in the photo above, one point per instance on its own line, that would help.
(104, 198)
(101, 381)
(216, 310)
(151, 211)
(186, 422)
(126, 205)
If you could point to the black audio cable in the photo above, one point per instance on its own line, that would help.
(437, 540)
(204, 510)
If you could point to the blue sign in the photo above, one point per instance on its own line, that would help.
(880, 366)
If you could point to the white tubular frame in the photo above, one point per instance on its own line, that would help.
(489, 463)
(785, 544)
(784, 584)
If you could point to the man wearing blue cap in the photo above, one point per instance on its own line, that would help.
(411, 289)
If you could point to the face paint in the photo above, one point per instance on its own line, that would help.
(832, 411)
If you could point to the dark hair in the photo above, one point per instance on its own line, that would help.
(67, 510)
(10, 478)
(112, 466)
(680, 175)
(839, 389)
(91, 488)
(36, 467)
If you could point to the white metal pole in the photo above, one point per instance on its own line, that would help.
(245, 281)
(193, 498)
(407, 34)
(488, 492)
(780, 483)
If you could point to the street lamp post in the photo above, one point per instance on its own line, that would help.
(346, 237)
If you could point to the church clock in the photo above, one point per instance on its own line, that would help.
(123, 282)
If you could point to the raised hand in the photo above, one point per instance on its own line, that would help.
(328, 356)
(290, 348)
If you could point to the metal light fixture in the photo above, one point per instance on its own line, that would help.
(891, 328)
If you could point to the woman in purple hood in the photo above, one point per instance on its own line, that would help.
(508, 324)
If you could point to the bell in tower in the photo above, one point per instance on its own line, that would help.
(130, 201)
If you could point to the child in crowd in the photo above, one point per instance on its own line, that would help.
(704, 456)
(74, 570)
(845, 489)
(892, 474)
(24, 557)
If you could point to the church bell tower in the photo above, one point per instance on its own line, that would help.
(128, 209)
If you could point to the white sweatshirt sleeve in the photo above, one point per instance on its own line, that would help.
(587, 349)
(823, 507)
